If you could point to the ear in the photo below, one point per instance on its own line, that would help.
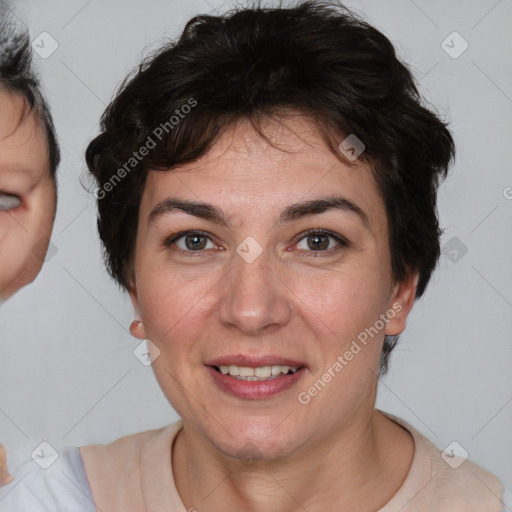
(402, 301)
(137, 328)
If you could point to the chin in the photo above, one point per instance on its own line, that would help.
(255, 439)
(251, 451)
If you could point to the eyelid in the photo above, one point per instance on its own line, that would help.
(342, 241)
(173, 238)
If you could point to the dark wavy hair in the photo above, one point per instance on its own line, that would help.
(316, 58)
(18, 76)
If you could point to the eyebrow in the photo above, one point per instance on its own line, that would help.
(291, 213)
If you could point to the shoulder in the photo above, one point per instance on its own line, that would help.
(458, 480)
(455, 479)
(126, 473)
(126, 451)
(61, 487)
(443, 481)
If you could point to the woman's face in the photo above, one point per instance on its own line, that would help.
(27, 195)
(256, 290)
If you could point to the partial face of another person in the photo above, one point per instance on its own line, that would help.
(27, 194)
(259, 289)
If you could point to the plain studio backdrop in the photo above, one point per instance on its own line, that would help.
(68, 374)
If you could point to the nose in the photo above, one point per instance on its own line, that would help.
(254, 298)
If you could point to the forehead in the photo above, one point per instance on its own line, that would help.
(12, 112)
(242, 172)
(23, 148)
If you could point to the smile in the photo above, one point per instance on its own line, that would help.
(260, 373)
(255, 383)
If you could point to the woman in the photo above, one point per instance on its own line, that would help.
(29, 157)
(267, 196)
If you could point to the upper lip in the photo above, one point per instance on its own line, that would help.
(253, 361)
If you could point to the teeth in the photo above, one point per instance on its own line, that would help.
(260, 373)
(245, 372)
(264, 371)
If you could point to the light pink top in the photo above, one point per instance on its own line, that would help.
(134, 474)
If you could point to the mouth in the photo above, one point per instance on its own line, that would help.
(255, 378)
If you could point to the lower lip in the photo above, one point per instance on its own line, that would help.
(257, 389)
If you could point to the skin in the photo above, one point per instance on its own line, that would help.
(25, 230)
(337, 448)
(5, 477)
(24, 171)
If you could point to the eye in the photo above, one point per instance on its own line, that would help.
(191, 241)
(9, 202)
(317, 241)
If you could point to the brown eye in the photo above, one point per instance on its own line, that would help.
(320, 241)
(195, 242)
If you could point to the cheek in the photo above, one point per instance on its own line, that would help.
(172, 305)
(20, 265)
(344, 313)
(175, 315)
(345, 302)
(42, 210)
(24, 239)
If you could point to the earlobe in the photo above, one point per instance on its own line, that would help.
(402, 301)
(137, 329)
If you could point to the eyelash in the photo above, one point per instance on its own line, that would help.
(169, 241)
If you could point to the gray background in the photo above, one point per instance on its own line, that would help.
(68, 374)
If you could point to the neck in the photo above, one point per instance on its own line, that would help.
(359, 467)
